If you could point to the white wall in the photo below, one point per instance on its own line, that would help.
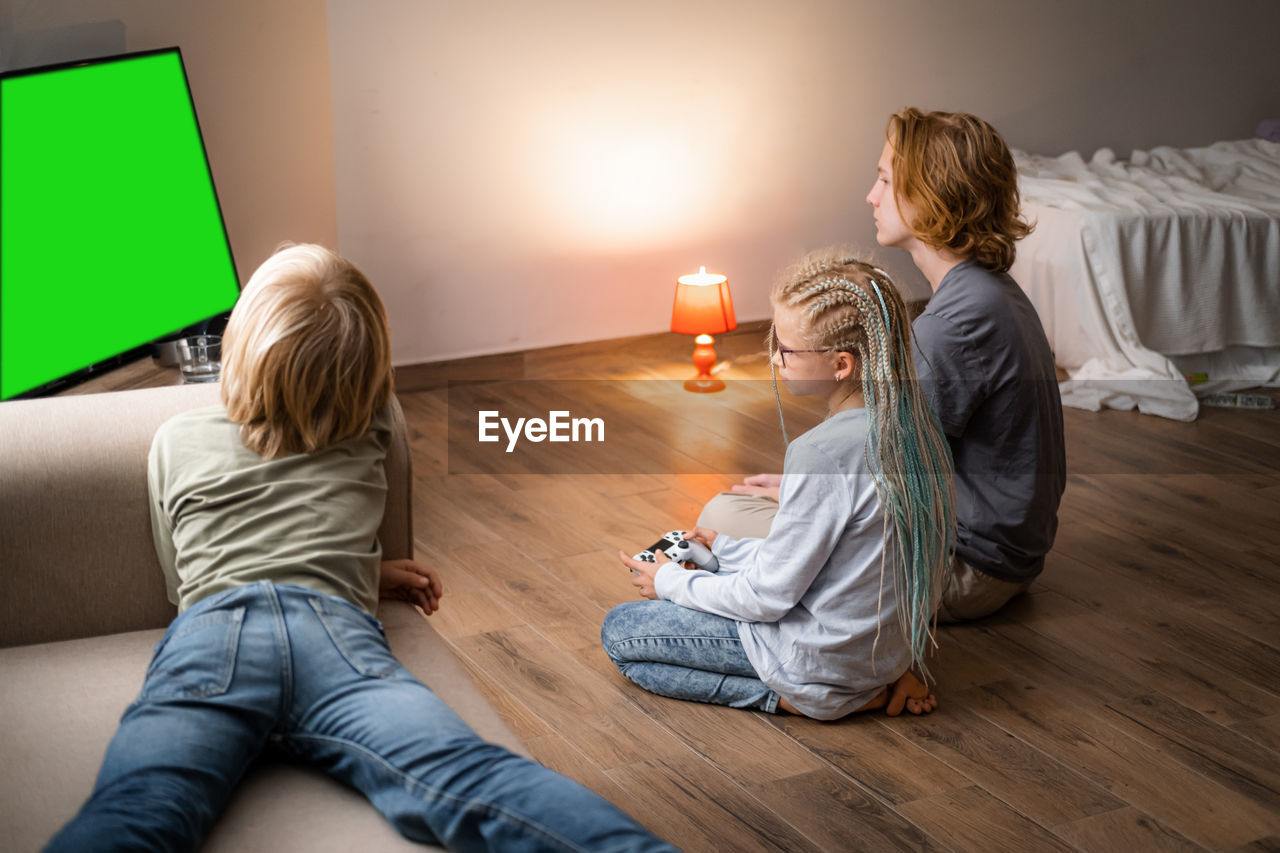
(516, 174)
(259, 75)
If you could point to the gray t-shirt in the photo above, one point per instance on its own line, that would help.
(222, 516)
(986, 366)
(817, 618)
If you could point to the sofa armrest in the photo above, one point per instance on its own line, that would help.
(396, 532)
(75, 532)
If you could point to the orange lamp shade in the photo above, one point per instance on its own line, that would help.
(703, 305)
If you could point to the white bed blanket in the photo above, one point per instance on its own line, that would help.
(1146, 269)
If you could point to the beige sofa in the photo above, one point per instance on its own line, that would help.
(83, 604)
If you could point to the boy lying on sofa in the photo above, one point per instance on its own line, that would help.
(265, 512)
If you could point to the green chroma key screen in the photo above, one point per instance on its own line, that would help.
(110, 231)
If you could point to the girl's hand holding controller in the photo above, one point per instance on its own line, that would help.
(683, 549)
(706, 535)
(645, 572)
(646, 564)
(701, 538)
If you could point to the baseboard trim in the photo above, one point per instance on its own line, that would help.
(534, 363)
(576, 361)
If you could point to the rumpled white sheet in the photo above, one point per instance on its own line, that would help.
(1145, 269)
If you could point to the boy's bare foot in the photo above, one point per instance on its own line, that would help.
(910, 693)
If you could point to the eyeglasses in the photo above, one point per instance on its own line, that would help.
(776, 346)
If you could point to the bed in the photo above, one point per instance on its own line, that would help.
(1157, 278)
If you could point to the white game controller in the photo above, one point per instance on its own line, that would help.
(681, 550)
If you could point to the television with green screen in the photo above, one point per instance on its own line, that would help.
(111, 235)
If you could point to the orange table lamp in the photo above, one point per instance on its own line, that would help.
(703, 307)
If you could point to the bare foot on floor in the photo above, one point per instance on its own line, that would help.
(911, 694)
(907, 693)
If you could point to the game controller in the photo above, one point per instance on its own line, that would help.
(681, 550)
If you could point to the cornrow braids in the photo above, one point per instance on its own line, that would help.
(851, 306)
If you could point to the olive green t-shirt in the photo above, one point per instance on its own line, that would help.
(222, 516)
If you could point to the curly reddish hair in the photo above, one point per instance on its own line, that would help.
(956, 176)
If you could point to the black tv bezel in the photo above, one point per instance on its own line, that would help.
(119, 360)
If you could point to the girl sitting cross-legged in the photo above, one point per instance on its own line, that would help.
(831, 611)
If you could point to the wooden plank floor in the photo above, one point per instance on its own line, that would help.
(1131, 701)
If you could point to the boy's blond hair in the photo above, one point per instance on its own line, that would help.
(957, 175)
(306, 356)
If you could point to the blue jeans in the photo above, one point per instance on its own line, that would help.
(266, 667)
(684, 654)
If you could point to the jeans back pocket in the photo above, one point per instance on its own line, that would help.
(357, 636)
(197, 657)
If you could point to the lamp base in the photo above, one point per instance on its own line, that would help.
(704, 386)
(704, 356)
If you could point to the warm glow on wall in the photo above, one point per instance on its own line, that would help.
(625, 183)
(520, 175)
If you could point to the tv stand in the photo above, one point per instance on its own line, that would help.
(143, 373)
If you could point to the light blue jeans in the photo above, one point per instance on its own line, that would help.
(283, 668)
(684, 654)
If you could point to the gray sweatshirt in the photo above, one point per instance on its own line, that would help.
(817, 618)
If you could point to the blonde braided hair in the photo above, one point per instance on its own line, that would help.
(850, 306)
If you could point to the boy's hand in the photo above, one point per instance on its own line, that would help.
(405, 580)
(767, 485)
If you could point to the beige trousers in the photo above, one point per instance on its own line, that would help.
(969, 593)
(972, 594)
(739, 516)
